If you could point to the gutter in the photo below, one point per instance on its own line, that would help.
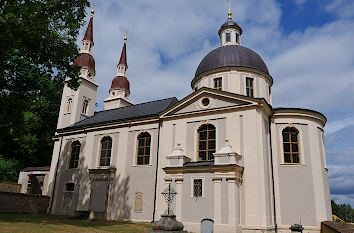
(156, 170)
(273, 185)
(55, 178)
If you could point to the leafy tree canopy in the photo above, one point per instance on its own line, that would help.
(343, 211)
(37, 48)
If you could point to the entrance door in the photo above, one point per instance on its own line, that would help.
(99, 191)
(207, 226)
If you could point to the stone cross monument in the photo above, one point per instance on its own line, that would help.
(168, 222)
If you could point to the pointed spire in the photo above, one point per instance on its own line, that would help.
(123, 56)
(230, 13)
(89, 32)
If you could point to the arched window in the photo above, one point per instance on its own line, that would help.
(206, 142)
(75, 152)
(84, 106)
(144, 142)
(68, 105)
(106, 149)
(291, 145)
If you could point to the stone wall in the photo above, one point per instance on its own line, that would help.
(23, 203)
(10, 187)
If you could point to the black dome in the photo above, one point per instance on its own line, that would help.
(231, 56)
(230, 24)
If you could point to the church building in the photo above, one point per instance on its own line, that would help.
(237, 163)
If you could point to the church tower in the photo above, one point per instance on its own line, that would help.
(120, 88)
(79, 104)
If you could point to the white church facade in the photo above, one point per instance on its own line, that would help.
(233, 158)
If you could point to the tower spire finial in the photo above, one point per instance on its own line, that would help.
(230, 13)
(93, 8)
(125, 37)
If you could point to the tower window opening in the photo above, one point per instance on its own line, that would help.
(84, 106)
(237, 38)
(249, 87)
(228, 37)
(218, 83)
(68, 105)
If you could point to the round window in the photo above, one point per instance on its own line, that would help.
(205, 102)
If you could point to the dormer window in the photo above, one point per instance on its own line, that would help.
(228, 37)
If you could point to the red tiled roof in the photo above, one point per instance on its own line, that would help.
(85, 60)
(339, 227)
(89, 31)
(120, 82)
(28, 169)
(123, 56)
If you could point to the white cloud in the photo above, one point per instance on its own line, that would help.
(341, 183)
(342, 8)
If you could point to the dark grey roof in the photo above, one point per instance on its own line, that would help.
(137, 111)
(300, 109)
(198, 164)
(230, 23)
(231, 56)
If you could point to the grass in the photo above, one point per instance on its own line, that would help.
(38, 223)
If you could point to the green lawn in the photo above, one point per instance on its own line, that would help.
(37, 223)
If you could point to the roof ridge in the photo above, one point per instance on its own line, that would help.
(137, 104)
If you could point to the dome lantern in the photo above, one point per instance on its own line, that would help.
(230, 32)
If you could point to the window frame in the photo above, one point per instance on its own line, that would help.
(218, 83)
(250, 87)
(144, 148)
(77, 160)
(106, 149)
(291, 153)
(85, 105)
(207, 142)
(192, 186)
(68, 106)
(228, 36)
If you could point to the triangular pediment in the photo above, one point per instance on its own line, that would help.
(207, 99)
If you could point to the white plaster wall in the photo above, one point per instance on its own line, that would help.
(235, 81)
(302, 191)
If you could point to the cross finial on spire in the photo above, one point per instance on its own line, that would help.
(93, 9)
(125, 37)
(229, 14)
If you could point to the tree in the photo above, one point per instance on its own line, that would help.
(8, 170)
(343, 211)
(37, 48)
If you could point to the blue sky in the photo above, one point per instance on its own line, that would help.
(306, 44)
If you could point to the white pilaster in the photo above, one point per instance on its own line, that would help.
(179, 185)
(232, 201)
(217, 200)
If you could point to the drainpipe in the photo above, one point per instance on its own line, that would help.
(55, 178)
(271, 162)
(156, 169)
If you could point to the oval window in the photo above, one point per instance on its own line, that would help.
(205, 102)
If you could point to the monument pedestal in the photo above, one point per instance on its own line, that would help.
(167, 223)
